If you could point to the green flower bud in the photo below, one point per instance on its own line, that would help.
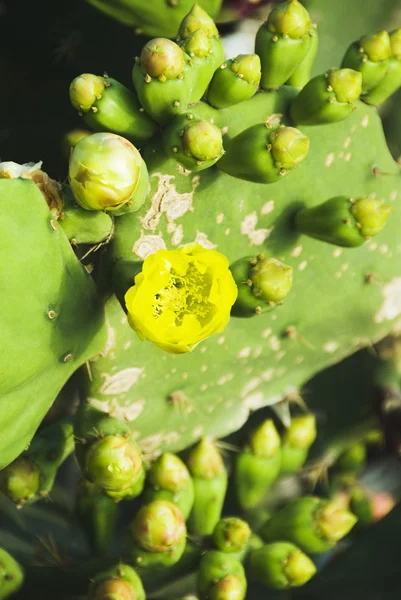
(342, 221)
(198, 44)
(247, 66)
(71, 139)
(85, 90)
(281, 565)
(271, 280)
(395, 41)
(231, 534)
(105, 171)
(289, 147)
(168, 472)
(205, 460)
(334, 522)
(235, 81)
(353, 459)
(371, 215)
(162, 59)
(377, 46)
(291, 19)
(301, 433)
(120, 582)
(313, 524)
(231, 587)
(203, 141)
(11, 575)
(114, 463)
(20, 481)
(196, 19)
(265, 441)
(158, 527)
(346, 84)
(112, 589)
(221, 577)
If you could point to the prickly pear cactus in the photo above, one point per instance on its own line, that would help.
(341, 298)
(227, 233)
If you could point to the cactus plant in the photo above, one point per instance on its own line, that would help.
(190, 282)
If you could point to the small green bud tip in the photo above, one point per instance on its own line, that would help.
(299, 568)
(346, 84)
(198, 44)
(377, 46)
(231, 535)
(271, 280)
(371, 215)
(104, 171)
(289, 147)
(85, 90)
(203, 141)
(395, 41)
(112, 589)
(158, 527)
(334, 522)
(301, 433)
(265, 441)
(20, 480)
(114, 463)
(196, 19)
(290, 18)
(248, 67)
(353, 458)
(230, 587)
(168, 472)
(71, 139)
(205, 460)
(163, 59)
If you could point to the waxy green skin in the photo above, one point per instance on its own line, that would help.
(301, 522)
(154, 18)
(257, 465)
(213, 567)
(164, 99)
(234, 81)
(204, 56)
(281, 51)
(392, 79)
(317, 102)
(117, 110)
(157, 535)
(302, 75)
(208, 150)
(169, 479)
(63, 318)
(97, 514)
(280, 566)
(114, 464)
(210, 479)
(373, 67)
(231, 535)
(336, 222)
(11, 575)
(296, 443)
(131, 585)
(250, 155)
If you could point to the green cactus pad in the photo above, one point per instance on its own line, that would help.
(51, 315)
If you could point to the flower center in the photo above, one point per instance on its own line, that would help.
(185, 294)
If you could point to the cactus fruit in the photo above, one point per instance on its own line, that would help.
(120, 582)
(221, 577)
(11, 575)
(281, 565)
(297, 441)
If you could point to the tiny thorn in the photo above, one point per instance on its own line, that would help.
(94, 109)
(176, 104)
(275, 38)
(174, 149)
(329, 88)
(68, 358)
(258, 310)
(148, 78)
(282, 172)
(254, 262)
(180, 76)
(52, 314)
(347, 221)
(106, 74)
(249, 282)
(54, 225)
(98, 96)
(377, 171)
(190, 116)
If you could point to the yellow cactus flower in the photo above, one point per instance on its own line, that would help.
(181, 297)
